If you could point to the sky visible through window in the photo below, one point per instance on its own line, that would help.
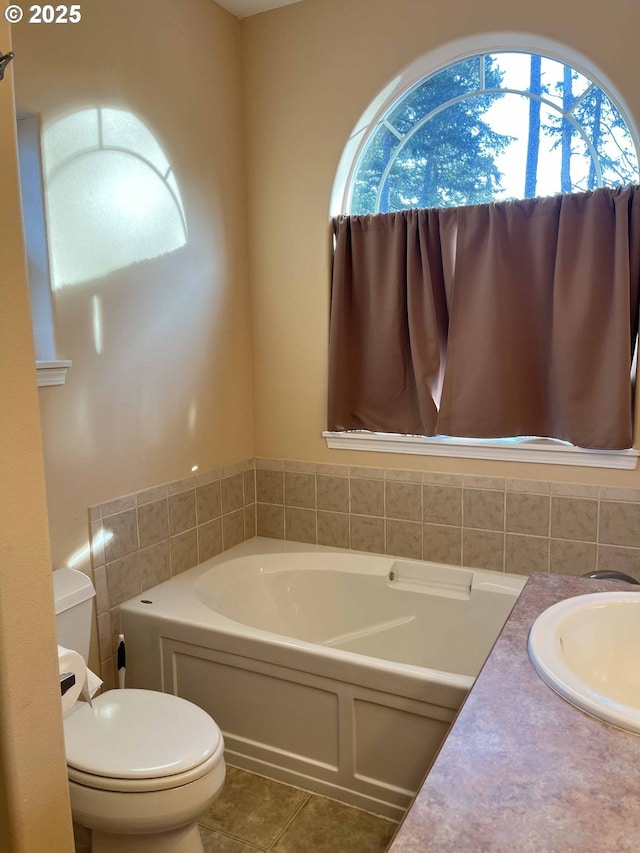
(494, 127)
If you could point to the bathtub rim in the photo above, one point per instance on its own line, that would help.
(174, 600)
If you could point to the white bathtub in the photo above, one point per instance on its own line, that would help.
(334, 670)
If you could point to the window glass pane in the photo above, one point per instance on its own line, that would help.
(459, 79)
(564, 160)
(606, 130)
(562, 84)
(451, 160)
(513, 70)
(370, 169)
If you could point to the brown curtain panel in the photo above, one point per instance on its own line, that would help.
(388, 323)
(500, 320)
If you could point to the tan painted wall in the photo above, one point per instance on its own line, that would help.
(311, 70)
(172, 386)
(34, 792)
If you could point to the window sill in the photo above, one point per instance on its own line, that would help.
(460, 448)
(51, 372)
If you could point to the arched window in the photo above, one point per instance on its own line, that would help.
(486, 119)
(493, 126)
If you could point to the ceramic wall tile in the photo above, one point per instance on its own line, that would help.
(249, 485)
(300, 489)
(154, 565)
(614, 558)
(333, 529)
(184, 551)
(525, 555)
(442, 544)
(527, 513)
(121, 535)
(483, 509)
(403, 500)
(209, 539)
(182, 511)
(404, 539)
(250, 521)
(367, 533)
(233, 529)
(333, 493)
(483, 549)
(270, 486)
(574, 518)
(300, 525)
(270, 521)
(367, 496)
(153, 522)
(620, 523)
(567, 557)
(208, 502)
(442, 504)
(123, 579)
(232, 492)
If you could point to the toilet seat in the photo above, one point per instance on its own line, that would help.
(141, 786)
(140, 740)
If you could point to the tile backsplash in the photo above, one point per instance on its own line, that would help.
(140, 540)
(519, 526)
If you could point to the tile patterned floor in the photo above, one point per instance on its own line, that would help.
(257, 814)
(254, 814)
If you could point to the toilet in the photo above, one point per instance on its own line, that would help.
(142, 765)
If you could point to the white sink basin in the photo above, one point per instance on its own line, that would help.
(588, 650)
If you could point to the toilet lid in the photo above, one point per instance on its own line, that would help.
(138, 734)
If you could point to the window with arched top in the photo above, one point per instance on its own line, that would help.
(493, 126)
(486, 261)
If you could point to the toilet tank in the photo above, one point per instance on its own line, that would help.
(73, 594)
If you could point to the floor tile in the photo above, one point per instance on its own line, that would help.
(325, 826)
(216, 842)
(252, 808)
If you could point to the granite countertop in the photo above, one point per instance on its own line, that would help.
(522, 769)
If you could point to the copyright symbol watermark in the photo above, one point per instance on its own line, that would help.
(13, 14)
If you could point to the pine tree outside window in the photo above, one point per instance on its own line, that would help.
(496, 126)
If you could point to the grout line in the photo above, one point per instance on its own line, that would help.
(290, 820)
(242, 841)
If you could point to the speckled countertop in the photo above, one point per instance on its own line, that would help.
(522, 769)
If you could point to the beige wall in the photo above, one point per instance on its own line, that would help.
(172, 386)
(34, 793)
(311, 70)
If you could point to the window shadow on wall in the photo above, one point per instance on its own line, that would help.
(111, 195)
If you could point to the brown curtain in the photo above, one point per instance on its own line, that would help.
(493, 321)
(388, 323)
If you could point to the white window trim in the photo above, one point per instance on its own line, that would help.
(468, 448)
(52, 372)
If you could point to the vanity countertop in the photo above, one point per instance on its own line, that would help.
(521, 768)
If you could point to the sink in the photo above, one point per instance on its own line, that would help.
(587, 649)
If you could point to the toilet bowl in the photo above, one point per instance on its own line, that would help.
(142, 765)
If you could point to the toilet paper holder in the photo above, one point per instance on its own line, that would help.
(67, 680)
